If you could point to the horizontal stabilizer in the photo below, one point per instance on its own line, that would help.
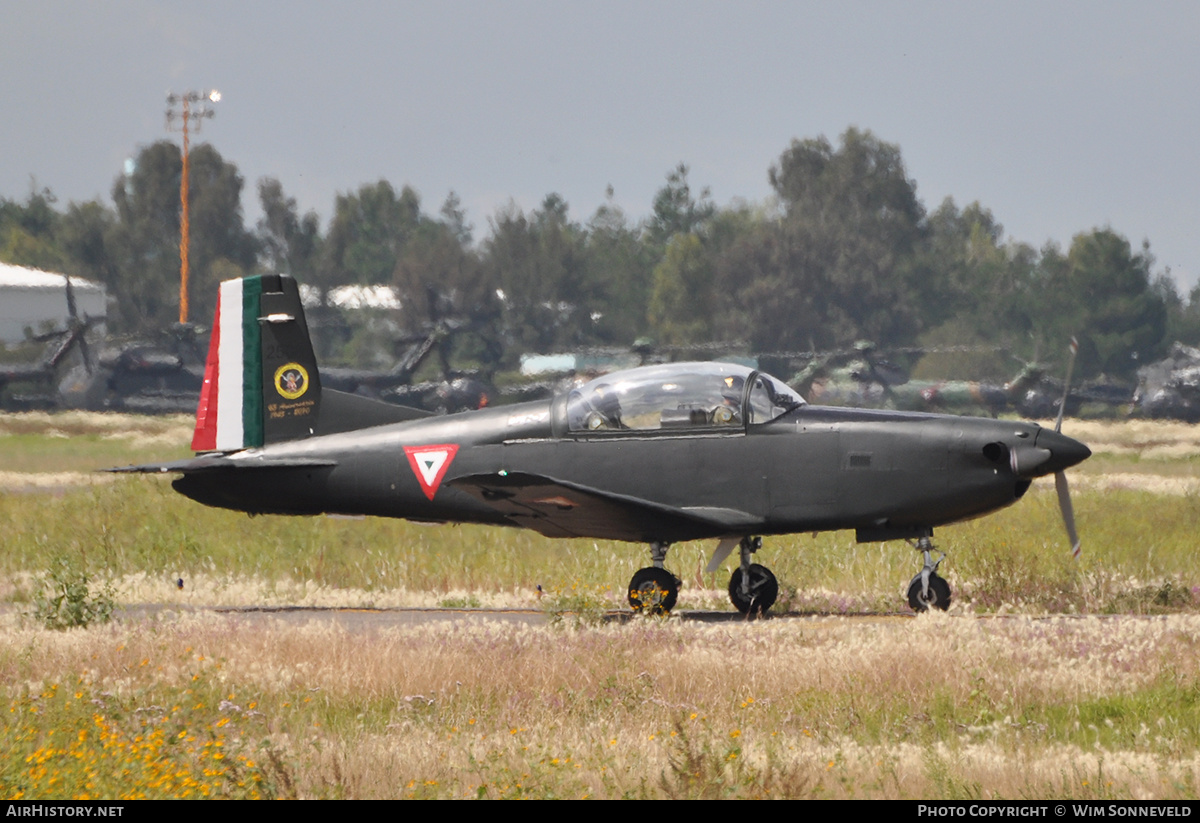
(342, 412)
(557, 508)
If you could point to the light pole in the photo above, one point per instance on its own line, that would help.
(185, 113)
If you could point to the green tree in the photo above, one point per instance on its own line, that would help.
(143, 244)
(288, 243)
(681, 309)
(442, 285)
(851, 224)
(760, 287)
(676, 210)
(621, 265)
(549, 298)
(976, 296)
(82, 234)
(28, 232)
(368, 233)
(455, 218)
(1105, 295)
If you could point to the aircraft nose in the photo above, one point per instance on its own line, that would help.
(1064, 451)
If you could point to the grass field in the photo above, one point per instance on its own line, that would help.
(1048, 678)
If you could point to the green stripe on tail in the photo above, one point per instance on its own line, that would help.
(252, 362)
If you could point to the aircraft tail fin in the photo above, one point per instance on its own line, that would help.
(261, 383)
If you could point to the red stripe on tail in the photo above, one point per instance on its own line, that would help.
(205, 437)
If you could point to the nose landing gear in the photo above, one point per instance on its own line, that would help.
(927, 590)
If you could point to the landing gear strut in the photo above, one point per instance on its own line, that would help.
(654, 590)
(927, 590)
(752, 588)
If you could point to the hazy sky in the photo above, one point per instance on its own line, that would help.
(1058, 116)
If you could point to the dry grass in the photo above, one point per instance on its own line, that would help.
(1146, 439)
(931, 707)
(946, 706)
(174, 429)
(38, 449)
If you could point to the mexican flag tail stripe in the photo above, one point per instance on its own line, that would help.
(252, 379)
(229, 416)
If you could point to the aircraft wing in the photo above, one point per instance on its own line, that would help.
(220, 462)
(557, 508)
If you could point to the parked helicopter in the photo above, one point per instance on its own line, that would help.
(1170, 388)
(656, 454)
(455, 392)
(868, 380)
(38, 379)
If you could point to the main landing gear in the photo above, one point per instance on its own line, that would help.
(927, 590)
(752, 588)
(654, 590)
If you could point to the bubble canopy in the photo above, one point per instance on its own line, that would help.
(679, 396)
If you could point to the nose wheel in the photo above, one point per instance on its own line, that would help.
(936, 596)
(927, 590)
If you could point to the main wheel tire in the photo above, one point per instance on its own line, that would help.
(764, 589)
(939, 594)
(653, 591)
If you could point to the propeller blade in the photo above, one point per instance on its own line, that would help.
(1068, 511)
(1062, 406)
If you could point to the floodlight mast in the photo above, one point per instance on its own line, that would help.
(186, 113)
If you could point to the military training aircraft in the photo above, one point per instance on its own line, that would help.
(656, 454)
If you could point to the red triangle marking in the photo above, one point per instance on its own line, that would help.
(429, 464)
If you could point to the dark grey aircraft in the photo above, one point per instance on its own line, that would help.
(657, 455)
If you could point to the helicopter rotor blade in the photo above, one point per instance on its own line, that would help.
(71, 310)
(77, 327)
(84, 351)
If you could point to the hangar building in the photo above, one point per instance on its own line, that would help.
(37, 300)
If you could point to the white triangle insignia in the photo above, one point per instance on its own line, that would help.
(429, 464)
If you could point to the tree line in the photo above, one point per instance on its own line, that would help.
(843, 251)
